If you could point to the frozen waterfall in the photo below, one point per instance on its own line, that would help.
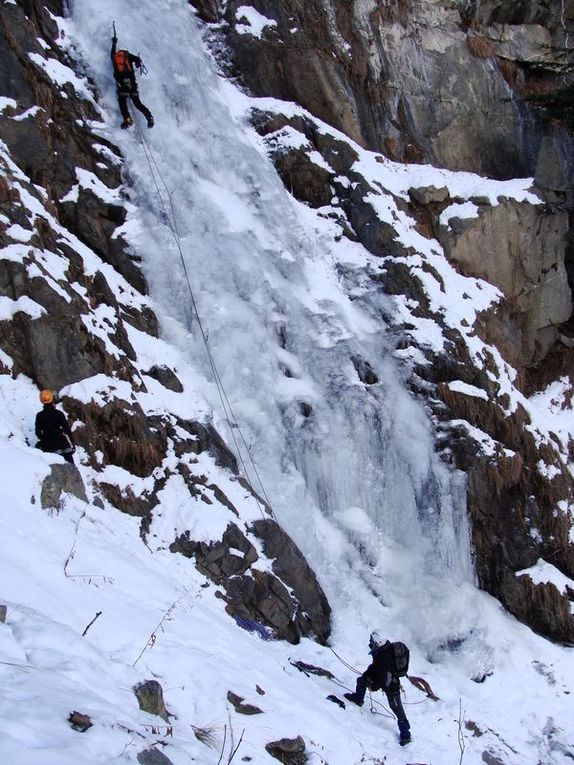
(350, 469)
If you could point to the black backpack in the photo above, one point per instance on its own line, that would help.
(401, 657)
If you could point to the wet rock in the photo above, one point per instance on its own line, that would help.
(3, 614)
(150, 699)
(365, 371)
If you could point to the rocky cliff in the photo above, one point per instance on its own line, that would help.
(445, 83)
(376, 82)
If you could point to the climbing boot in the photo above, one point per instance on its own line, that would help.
(353, 697)
(405, 730)
(128, 122)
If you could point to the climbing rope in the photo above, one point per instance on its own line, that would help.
(169, 213)
(344, 663)
(372, 701)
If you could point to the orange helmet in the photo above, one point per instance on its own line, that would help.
(46, 396)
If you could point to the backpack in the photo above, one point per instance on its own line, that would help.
(401, 657)
(122, 64)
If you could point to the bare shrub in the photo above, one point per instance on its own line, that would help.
(481, 47)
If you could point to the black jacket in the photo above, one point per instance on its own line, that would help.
(380, 674)
(52, 430)
(125, 80)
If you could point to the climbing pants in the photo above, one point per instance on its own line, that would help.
(123, 103)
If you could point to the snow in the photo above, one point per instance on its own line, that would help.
(32, 112)
(467, 390)
(255, 23)
(9, 307)
(7, 103)
(462, 211)
(61, 74)
(357, 483)
(543, 572)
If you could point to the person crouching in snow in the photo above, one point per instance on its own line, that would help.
(382, 675)
(52, 429)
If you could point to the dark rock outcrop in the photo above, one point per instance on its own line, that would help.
(290, 751)
(253, 594)
(238, 704)
(153, 756)
(63, 479)
(150, 699)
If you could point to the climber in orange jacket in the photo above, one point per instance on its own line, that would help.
(124, 74)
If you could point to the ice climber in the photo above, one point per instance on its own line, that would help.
(390, 662)
(124, 74)
(52, 429)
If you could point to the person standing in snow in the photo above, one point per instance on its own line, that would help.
(382, 675)
(52, 429)
(124, 74)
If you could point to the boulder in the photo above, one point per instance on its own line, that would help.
(289, 751)
(62, 479)
(166, 377)
(153, 757)
(150, 698)
(79, 722)
(427, 194)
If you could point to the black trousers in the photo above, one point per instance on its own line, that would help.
(393, 694)
(123, 96)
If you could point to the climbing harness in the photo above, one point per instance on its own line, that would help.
(169, 214)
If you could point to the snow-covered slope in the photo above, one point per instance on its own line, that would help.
(351, 472)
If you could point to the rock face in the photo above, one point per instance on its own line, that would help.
(520, 248)
(418, 80)
(415, 79)
(517, 508)
(78, 299)
(257, 595)
(358, 66)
